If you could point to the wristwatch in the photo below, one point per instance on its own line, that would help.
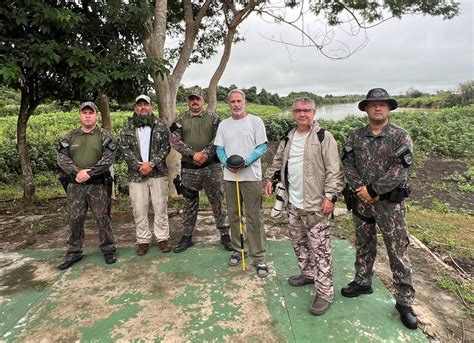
(332, 197)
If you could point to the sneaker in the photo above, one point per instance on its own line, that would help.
(353, 290)
(110, 257)
(407, 316)
(184, 243)
(164, 245)
(225, 241)
(142, 249)
(319, 306)
(69, 260)
(299, 280)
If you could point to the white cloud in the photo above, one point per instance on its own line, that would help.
(427, 53)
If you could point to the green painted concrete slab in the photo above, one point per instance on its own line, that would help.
(193, 296)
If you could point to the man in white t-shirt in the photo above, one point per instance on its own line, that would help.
(244, 135)
(308, 160)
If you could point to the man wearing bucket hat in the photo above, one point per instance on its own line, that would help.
(377, 160)
(308, 160)
(144, 145)
(85, 155)
(240, 142)
(192, 135)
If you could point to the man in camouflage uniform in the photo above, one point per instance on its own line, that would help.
(192, 135)
(144, 145)
(310, 170)
(85, 155)
(377, 160)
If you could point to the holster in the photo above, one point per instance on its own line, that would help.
(177, 184)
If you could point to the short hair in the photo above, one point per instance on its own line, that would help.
(304, 100)
(239, 91)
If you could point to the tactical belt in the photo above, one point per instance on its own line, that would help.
(95, 180)
(187, 165)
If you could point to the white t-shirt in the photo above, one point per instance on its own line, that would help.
(145, 134)
(241, 137)
(296, 169)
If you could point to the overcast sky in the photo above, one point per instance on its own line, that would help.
(427, 53)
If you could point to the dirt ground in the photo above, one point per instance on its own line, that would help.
(443, 316)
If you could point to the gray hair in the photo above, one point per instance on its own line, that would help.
(239, 91)
(304, 100)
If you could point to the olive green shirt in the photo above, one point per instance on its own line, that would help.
(86, 148)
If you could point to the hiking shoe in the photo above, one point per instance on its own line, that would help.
(262, 269)
(225, 241)
(142, 249)
(353, 290)
(407, 316)
(69, 260)
(319, 306)
(164, 245)
(184, 243)
(110, 257)
(299, 280)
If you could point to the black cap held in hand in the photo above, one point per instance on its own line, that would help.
(235, 161)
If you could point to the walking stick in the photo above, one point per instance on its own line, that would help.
(240, 221)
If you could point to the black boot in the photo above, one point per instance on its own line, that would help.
(407, 316)
(69, 260)
(184, 243)
(225, 241)
(353, 290)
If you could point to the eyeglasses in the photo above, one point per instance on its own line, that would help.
(302, 110)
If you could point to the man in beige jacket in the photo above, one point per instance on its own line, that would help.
(309, 162)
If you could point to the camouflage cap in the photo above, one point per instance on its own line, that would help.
(88, 104)
(143, 97)
(378, 94)
(196, 92)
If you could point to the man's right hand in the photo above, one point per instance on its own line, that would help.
(199, 158)
(268, 187)
(83, 176)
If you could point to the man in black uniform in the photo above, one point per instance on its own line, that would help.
(85, 155)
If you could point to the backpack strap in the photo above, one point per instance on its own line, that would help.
(321, 135)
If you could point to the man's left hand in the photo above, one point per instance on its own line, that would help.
(328, 207)
(145, 168)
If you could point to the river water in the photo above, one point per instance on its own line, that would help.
(340, 111)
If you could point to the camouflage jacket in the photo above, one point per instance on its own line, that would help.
(178, 141)
(159, 149)
(109, 148)
(381, 162)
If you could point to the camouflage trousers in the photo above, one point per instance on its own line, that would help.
(391, 219)
(95, 197)
(309, 233)
(210, 179)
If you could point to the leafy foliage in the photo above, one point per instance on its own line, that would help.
(449, 132)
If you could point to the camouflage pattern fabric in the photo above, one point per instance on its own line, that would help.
(309, 233)
(210, 179)
(372, 160)
(82, 196)
(96, 197)
(391, 219)
(159, 150)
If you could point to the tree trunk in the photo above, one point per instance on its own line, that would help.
(103, 104)
(27, 107)
(212, 92)
(166, 93)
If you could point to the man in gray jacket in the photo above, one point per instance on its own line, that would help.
(308, 160)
